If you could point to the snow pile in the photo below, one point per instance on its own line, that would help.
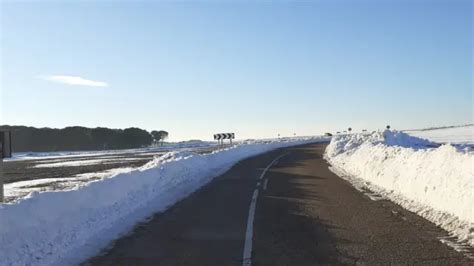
(436, 183)
(69, 226)
(397, 138)
(349, 143)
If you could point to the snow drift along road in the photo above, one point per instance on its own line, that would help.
(67, 227)
(436, 183)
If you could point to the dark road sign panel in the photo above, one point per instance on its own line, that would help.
(224, 136)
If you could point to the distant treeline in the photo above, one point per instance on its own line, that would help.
(77, 138)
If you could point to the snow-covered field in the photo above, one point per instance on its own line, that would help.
(434, 182)
(17, 191)
(66, 227)
(453, 135)
(83, 162)
(72, 154)
(71, 170)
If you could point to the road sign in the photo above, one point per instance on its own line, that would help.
(5, 144)
(221, 136)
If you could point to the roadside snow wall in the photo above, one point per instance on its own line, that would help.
(64, 228)
(436, 183)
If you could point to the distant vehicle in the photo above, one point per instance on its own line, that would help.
(328, 134)
(364, 130)
(339, 132)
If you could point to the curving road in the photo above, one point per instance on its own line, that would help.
(282, 208)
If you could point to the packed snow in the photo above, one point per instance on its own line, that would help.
(66, 227)
(454, 135)
(434, 182)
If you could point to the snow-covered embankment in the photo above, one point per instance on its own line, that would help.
(436, 183)
(66, 227)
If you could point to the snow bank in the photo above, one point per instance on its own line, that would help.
(62, 228)
(436, 183)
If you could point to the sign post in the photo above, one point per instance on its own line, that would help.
(1, 180)
(5, 152)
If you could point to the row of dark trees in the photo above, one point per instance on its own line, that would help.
(79, 138)
(159, 135)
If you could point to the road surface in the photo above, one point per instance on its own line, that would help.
(282, 208)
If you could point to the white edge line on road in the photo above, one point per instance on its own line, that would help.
(271, 164)
(265, 183)
(247, 257)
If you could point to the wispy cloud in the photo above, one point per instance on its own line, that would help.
(74, 80)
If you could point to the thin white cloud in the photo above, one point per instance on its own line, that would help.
(74, 80)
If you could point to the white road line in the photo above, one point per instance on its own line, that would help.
(247, 257)
(271, 164)
(265, 183)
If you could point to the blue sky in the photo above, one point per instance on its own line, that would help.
(256, 69)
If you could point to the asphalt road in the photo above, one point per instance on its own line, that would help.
(302, 214)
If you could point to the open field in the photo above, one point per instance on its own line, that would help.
(62, 171)
(459, 135)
